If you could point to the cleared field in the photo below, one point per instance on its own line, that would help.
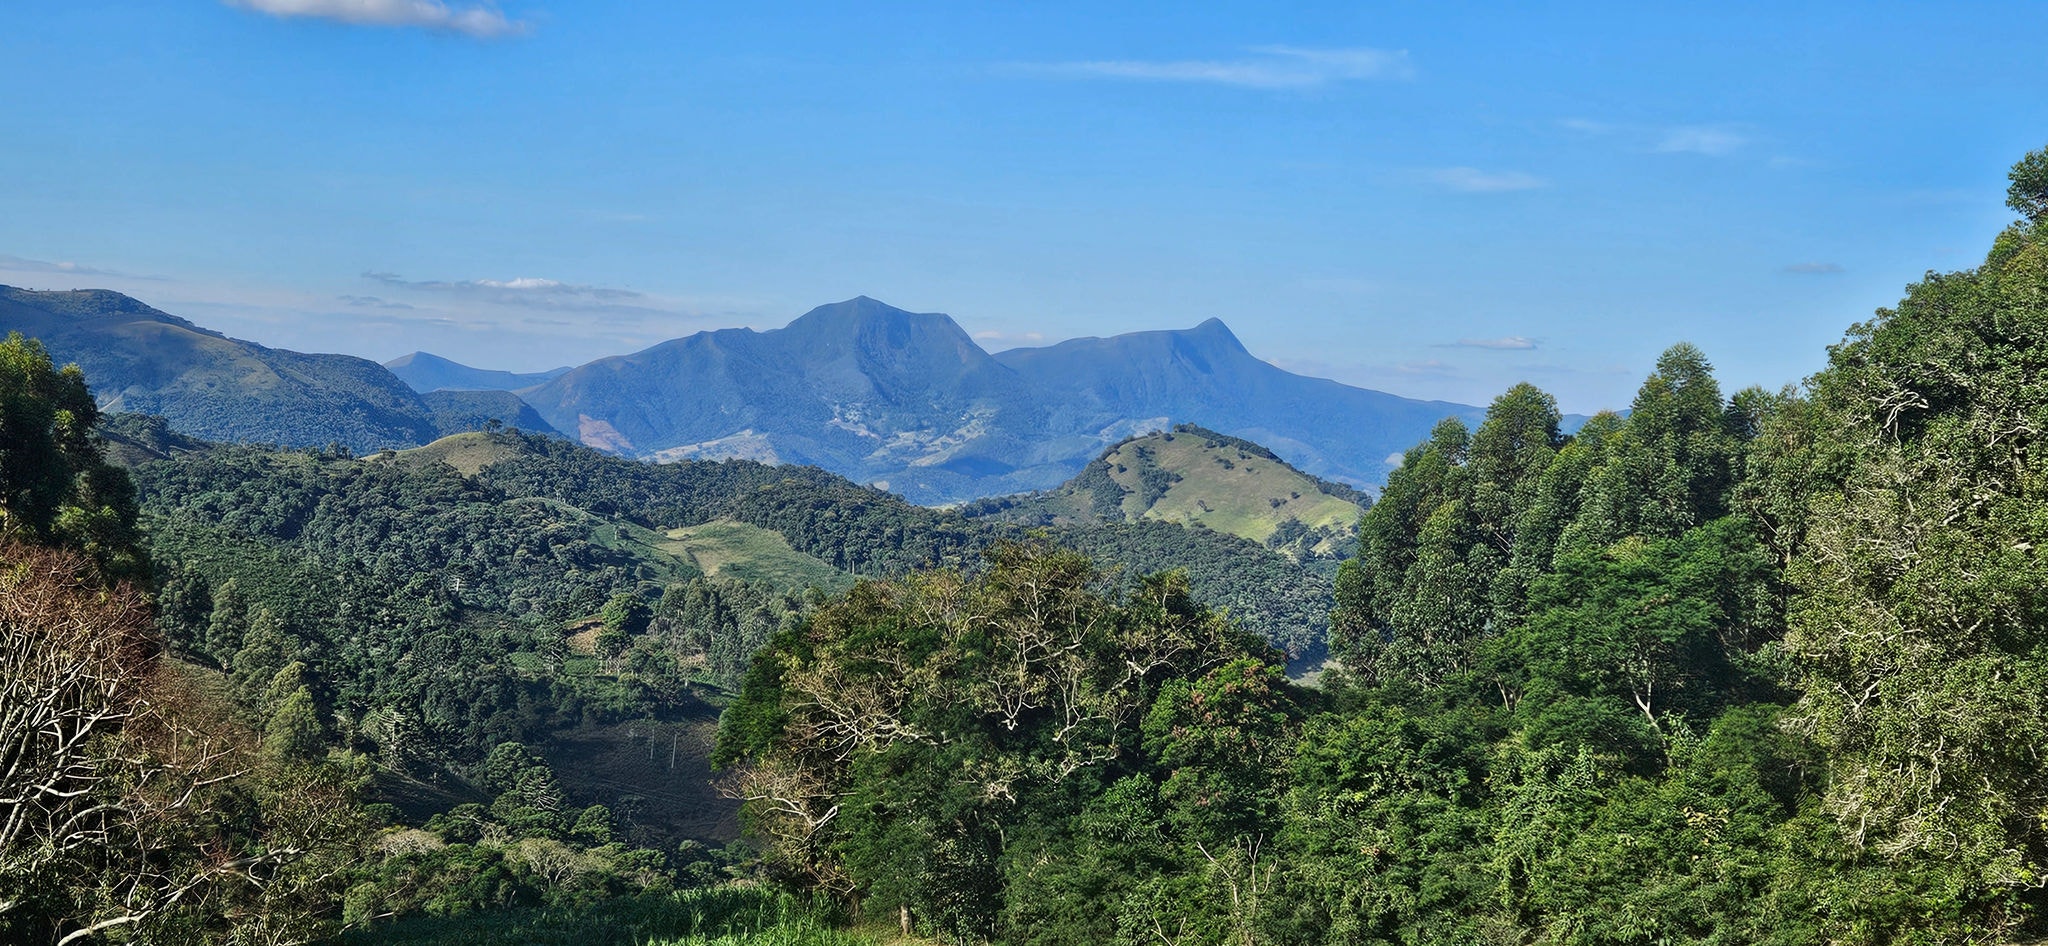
(727, 549)
(468, 453)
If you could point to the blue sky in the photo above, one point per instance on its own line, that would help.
(1436, 200)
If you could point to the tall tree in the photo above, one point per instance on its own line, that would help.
(55, 488)
(1919, 623)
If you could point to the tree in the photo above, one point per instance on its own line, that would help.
(295, 732)
(1919, 622)
(55, 488)
(2029, 191)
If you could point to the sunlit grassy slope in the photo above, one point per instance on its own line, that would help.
(728, 549)
(1199, 477)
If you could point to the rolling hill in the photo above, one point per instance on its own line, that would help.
(1198, 477)
(145, 361)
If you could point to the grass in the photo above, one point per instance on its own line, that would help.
(728, 549)
(732, 915)
(1229, 490)
(468, 453)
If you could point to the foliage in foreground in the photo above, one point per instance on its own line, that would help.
(1765, 668)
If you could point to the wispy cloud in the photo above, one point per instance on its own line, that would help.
(1815, 269)
(1268, 67)
(1503, 343)
(524, 290)
(1476, 181)
(22, 264)
(372, 302)
(1710, 140)
(483, 21)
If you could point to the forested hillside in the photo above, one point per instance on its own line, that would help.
(1753, 668)
(1760, 667)
(142, 360)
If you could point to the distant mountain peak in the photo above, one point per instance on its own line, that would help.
(871, 324)
(425, 371)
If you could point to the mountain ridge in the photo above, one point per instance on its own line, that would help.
(832, 388)
(899, 400)
(427, 372)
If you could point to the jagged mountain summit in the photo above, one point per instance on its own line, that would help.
(909, 402)
(901, 400)
(1204, 375)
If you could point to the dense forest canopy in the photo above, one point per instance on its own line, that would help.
(1750, 667)
(1760, 667)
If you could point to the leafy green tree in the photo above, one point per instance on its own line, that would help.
(2029, 191)
(55, 488)
(1917, 626)
(295, 732)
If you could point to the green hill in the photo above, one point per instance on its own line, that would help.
(142, 360)
(1198, 477)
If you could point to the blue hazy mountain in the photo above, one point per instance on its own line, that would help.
(426, 372)
(909, 402)
(902, 400)
(1204, 375)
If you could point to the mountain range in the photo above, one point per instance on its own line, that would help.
(908, 402)
(905, 401)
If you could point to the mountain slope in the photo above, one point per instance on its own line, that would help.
(1198, 477)
(1204, 375)
(910, 403)
(426, 372)
(878, 394)
(207, 384)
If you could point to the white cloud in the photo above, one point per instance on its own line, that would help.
(1394, 459)
(1504, 343)
(1585, 126)
(1814, 269)
(1269, 67)
(525, 290)
(482, 21)
(1711, 140)
(1476, 181)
